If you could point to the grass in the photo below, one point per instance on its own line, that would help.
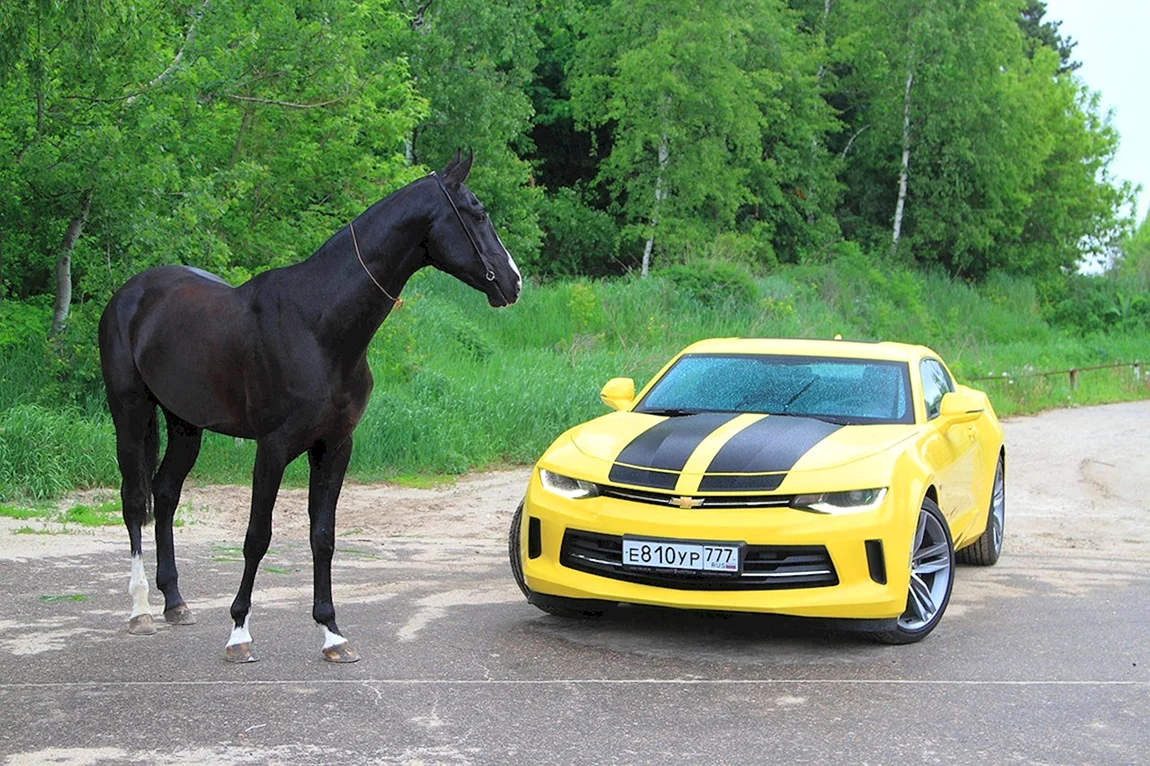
(460, 386)
(106, 514)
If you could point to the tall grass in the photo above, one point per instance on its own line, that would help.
(461, 386)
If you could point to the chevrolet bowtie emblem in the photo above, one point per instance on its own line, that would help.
(686, 502)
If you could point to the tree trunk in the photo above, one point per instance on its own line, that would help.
(905, 171)
(660, 194)
(64, 266)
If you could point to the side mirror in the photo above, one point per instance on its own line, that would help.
(618, 393)
(959, 407)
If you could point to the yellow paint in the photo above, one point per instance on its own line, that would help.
(908, 459)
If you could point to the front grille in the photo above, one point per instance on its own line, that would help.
(765, 567)
(702, 501)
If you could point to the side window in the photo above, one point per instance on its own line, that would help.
(935, 383)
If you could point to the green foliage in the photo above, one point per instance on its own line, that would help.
(473, 60)
(1007, 157)
(1094, 304)
(459, 386)
(712, 282)
(713, 118)
(579, 239)
(44, 453)
(742, 140)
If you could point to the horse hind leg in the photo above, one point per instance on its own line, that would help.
(179, 457)
(137, 445)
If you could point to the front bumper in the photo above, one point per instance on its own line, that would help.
(856, 592)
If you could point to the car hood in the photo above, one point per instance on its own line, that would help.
(729, 452)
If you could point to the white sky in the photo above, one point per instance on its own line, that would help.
(1115, 55)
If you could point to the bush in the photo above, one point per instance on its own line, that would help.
(711, 282)
(578, 241)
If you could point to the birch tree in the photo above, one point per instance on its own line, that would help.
(685, 91)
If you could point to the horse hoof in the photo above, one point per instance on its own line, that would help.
(240, 653)
(141, 625)
(340, 653)
(180, 615)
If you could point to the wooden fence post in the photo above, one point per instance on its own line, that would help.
(1073, 380)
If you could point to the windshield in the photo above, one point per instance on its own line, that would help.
(839, 390)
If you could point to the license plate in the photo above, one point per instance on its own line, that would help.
(664, 554)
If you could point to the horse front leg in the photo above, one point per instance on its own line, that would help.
(271, 459)
(328, 463)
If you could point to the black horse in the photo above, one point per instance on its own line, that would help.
(282, 360)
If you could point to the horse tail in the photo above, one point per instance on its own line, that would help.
(149, 456)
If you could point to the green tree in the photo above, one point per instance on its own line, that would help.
(960, 132)
(686, 92)
(474, 60)
(225, 134)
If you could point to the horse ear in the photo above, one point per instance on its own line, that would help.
(456, 171)
(466, 166)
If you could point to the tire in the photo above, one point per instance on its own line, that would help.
(514, 553)
(984, 551)
(932, 577)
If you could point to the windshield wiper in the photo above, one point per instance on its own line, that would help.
(670, 412)
(799, 393)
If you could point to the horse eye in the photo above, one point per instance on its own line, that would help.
(480, 217)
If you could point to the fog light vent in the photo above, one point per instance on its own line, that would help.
(534, 539)
(875, 561)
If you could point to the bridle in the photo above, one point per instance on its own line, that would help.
(490, 272)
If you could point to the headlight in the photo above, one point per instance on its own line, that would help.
(854, 501)
(565, 486)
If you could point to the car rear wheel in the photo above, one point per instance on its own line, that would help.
(514, 553)
(931, 578)
(988, 547)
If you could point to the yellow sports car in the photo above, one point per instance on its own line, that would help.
(825, 479)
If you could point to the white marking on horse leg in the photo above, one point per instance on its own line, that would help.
(331, 639)
(138, 587)
(241, 635)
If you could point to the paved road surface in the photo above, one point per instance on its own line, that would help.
(1041, 659)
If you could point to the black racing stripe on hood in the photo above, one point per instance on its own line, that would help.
(641, 477)
(771, 445)
(667, 444)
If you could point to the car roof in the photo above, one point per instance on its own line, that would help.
(846, 349)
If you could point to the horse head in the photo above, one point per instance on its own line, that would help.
(463, 242)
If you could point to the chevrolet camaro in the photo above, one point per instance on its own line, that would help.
(822, 479)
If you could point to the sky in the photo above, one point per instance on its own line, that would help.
(1115, 55)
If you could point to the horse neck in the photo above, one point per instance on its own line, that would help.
(349, 305)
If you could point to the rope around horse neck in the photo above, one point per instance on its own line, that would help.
(355, 242)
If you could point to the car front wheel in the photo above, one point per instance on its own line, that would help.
(988, 547)
(931, 578)
(514, 553)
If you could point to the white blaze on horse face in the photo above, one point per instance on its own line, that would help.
(241, 635)
(332, 639)
(138, 587)
(511, 261)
